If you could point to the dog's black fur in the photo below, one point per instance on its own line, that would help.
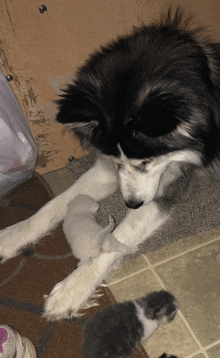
(139, 89)
(104, 97)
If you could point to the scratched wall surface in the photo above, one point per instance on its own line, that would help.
(43, 51)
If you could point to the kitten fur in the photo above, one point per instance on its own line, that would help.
(116, 331)
(85, 236)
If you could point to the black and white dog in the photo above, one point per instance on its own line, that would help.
(149, 103)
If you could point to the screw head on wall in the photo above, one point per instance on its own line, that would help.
(9, 78)
(43, 9)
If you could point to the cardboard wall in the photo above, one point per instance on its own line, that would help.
(42, 52)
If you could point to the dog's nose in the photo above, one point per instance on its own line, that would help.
(134, 204)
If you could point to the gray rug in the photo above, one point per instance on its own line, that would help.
(200, 211)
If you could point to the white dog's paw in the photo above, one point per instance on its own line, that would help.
(12, 239)
(71, 294)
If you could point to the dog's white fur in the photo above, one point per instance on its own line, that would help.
(85, 236)
(99, 182)
(140, 182)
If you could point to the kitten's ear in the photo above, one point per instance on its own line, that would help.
(77, 109)
(157, 116)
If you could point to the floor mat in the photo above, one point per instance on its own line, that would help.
(199, 212)
(26, 278)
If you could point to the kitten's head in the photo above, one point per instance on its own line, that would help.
(159, 305)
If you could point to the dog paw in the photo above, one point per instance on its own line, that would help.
(69, 295)
(74, 292)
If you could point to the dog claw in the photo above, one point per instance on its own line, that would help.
(75, 314)
(103, 285)
(96, 296)
(92, 303)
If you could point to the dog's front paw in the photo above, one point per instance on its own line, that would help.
(71, 294)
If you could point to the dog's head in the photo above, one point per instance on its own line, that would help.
(148, 100)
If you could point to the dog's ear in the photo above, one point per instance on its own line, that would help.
(158, 116)
(78, 110)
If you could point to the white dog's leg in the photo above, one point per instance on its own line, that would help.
(71, 294)
(98, 182)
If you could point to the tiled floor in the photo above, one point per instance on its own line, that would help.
(190, 269)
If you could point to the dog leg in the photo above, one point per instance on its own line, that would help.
(98, 182)
(72, 293)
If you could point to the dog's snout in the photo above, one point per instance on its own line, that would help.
(131, 204)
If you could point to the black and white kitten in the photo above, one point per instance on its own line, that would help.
(116, 331)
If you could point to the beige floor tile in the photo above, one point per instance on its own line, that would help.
(136, 286)
(169, 338)
(194, 279)
(182, 245)
(200, 355)
(128, 267)
(214, 352)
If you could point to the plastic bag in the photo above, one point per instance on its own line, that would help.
(18, 151)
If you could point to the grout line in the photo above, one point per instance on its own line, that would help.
(201, 349)
(182, 253)
(129, 276)
(212, 344)
(194, 354)
(163, 261)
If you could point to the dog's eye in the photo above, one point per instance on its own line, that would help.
(142, 166)
(145, 162)
(118, 166)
